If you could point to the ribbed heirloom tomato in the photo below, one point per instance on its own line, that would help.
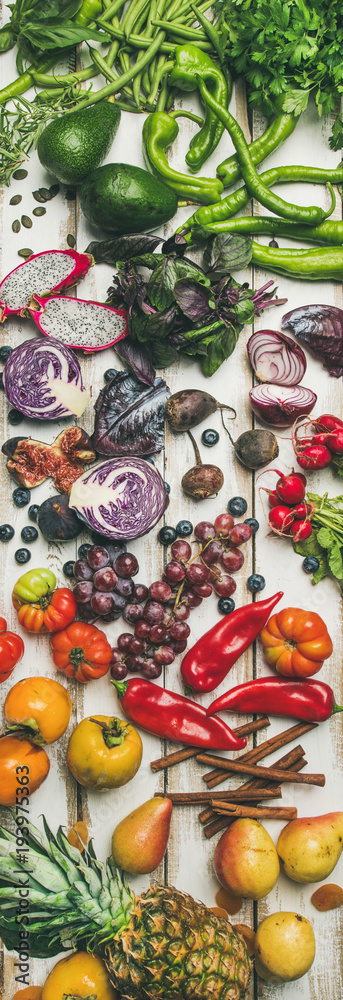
(11, 650)
(80, 975)
(81, 651)
(39, 708)
(104, 752)
(296, 642)
(40, 607)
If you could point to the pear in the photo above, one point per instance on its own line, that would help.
(284, 947)
(139, 842)
(245, 860)
(310, 847)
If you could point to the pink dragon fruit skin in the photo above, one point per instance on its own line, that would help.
(43, 273)
(79, 323)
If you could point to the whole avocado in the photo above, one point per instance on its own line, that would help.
(120, 198)
(74, 144)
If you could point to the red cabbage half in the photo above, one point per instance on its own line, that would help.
(42, 379)
(122, 498)
(321, 329)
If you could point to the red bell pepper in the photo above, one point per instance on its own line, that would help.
(11, 650)
(207, 663)
(174, 717)
(310, 701)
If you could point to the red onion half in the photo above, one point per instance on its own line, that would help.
(276, 358)
(280, 405)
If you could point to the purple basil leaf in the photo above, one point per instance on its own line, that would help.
(137, 359)
(192, 298)
(129, 417)
(154, 326)
(230, 252)
(122, 248)
(321, 329)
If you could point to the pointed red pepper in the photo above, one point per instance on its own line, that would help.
(310, 701)
(207, 663)
(174, 717)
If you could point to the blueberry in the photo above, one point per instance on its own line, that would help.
(22, 555)
(6, 532)
(109, 374)
(15, 417)
(29, 534)
(5, 351)
(310, 564)
(226, 605)
(83, 549)
(68, 568)
(253, 524)
(33, 511)
(167, 535)
(184, 528)
(237, 506)
(21, 496)
(167, 487)
(210, 437)
(255, 582)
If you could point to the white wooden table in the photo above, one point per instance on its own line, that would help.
(189, 860)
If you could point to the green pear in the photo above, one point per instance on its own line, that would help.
(310, 847)
(284, 947)
(245, 860)
(139, 842)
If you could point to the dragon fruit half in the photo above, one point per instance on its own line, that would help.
(79, 323)
(42, 379)
(50, 271)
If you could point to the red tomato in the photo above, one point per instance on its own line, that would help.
(50, 614)
(11, 650)
(296, 642)
(81, 651)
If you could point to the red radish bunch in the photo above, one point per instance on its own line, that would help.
(317, 450)
(290, 512)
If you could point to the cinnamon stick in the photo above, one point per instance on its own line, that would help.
(186, 752)
(272, 773)
(236, 797)
(217, 775)
(255, 812)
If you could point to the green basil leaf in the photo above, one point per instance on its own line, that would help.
(220, 348)
(228, 252)
(59, 35)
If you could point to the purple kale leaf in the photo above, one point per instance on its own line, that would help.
(129, 416)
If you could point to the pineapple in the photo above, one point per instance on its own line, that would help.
(162, 944)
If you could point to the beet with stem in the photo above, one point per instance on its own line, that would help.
(202, 481)
(255, 448)
(188, 407)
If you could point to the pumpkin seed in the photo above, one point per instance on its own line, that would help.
(37, 196)
(16, 226)
(54, 189)
(39, 211)
(45, 193)
(71, 240)
(20, 174)
(25, 252)
(26, 222)
(17, 198)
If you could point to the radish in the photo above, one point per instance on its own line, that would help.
(291, 488)
(301, 530)
(314, 456)
(303, 511)
(327, 422)
(334, 441)
(281, 519)
(273, 498)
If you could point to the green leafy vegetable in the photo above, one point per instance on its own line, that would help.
(326, 540)
(286, 52)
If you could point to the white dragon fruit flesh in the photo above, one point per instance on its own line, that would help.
(79, 323)
(42, 379)
(50, 271)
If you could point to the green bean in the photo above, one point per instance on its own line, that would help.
(23, 82)
(110, 12)
(139, 41)
(210, 31)
(114, 87)
(175, 28)
(134, 12)
(160, 73)
(311, 215)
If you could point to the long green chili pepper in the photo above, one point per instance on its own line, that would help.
(159, 131)
(209, 29)
(319, 264)
(310, 216)
(279, 130)
(190, 62)
(329, 233)
(234, 202)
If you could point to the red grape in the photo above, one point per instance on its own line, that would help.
(204, 530)
(102, 603)
(158, 633)
(125, 586)
(133, 612)
(232, 559)
(212, 553)
(126, 564)
(224, 586)
(203, 590)
(240, 533)
(134, 663)
(179, 630)
(142, 629)
(182, 611)
(97, 557)
(174, 572)
(82, 571)
(83, 591)
(151, 670)
(136, 646)
(181, 551)
(179, 645)
(223, 524)
(196, 573)
(124, 641)
(153, 613)
(140, 592)
(118, 671)
(190, 597)
(160, 591)
(105, 579)
(164, 655)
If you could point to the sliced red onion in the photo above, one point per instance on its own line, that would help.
(280, 405)
(276, 358)
(42, 379)
(121, 499)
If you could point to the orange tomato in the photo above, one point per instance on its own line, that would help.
(23, 768)
(296, 642)
(82, 651)
(38, 707)
(80, 975)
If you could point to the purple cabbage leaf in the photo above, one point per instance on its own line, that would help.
(129, 416)
(320, 327)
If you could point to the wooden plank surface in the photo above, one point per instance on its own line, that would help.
(189, 860)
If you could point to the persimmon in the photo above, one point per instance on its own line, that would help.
(104, 752)
(29, 993)
(39, 708)
(23, 768)
(80, 975)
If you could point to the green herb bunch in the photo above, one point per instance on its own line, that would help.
(286, 51)
(326, 539)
